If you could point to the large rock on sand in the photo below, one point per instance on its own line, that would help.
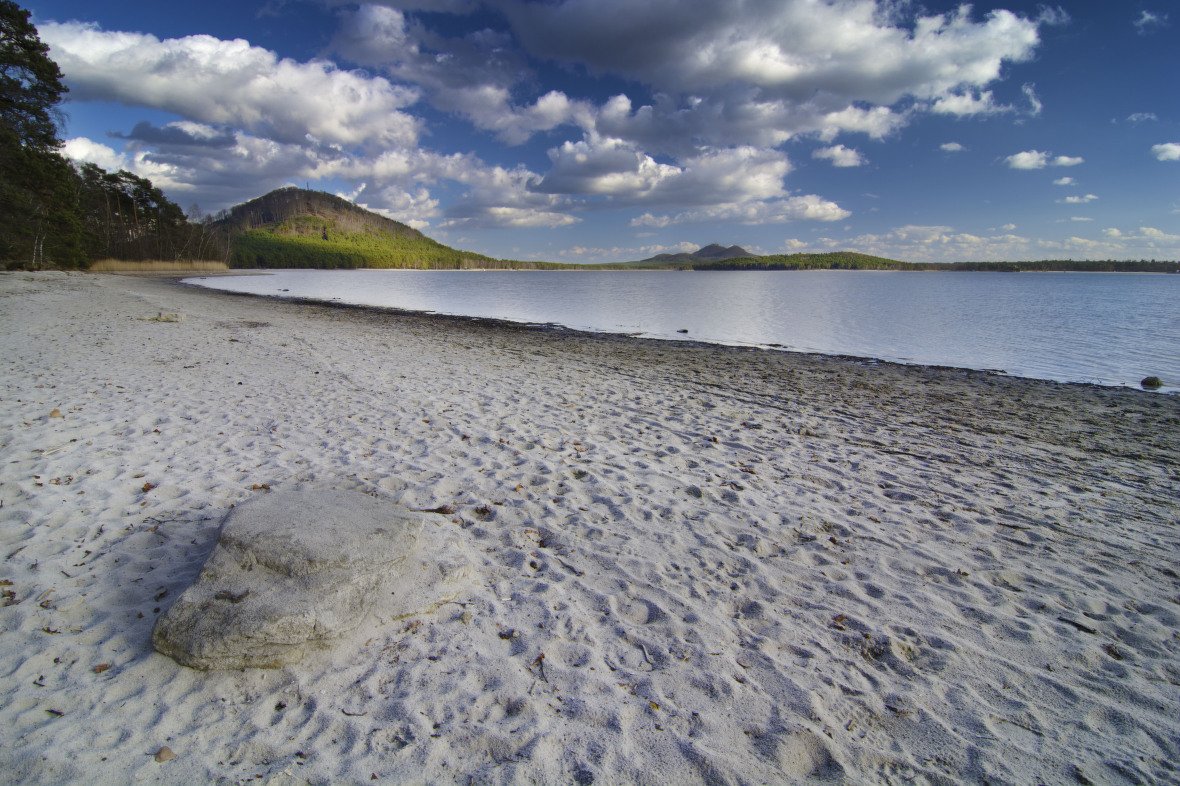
(293, 571)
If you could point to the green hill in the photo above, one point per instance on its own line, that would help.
(296, 228)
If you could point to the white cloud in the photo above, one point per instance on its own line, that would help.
(1078, 200)
(85, 150)
(512, 217)
(946, 244)
(1080, 219)
(626, 253)
(968, 103)
(1155, 234)
(1064, 181)
(1142, 117)
(1028, 159)
(1036, 159)
(951, 147)
(1169, 151)
(840, 156)
(1034, 103)
(609, 167)
(232, 83)
(731, 73)
(414, 208)
(622, 175)
(877, 122)
(807, 207)
(471, 76)
(1149, 21)
(649, 220)
(1053, 15)
(1008, 227)
(856, 51)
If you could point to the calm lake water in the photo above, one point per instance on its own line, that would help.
(1112, 329)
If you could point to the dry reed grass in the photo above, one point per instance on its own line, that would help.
(156, 266)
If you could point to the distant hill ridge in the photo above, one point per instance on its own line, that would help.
(713, 251)
(298, 228)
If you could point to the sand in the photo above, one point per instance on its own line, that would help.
(739, 566)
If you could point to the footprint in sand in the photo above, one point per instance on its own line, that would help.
(637, 610)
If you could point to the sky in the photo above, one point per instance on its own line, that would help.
(611, 130)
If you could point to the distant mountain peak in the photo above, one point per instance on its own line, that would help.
(718, 251)
(712, 252)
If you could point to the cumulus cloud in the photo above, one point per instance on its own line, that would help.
(1149, 239)
(1168, 151)
(1036, 159)
(683, 126)
(730, 73)
(220, 82)
(470, 76)
(951, 147)
(254, 121)
(933, 243)
(617, 171)
(1028, 159)
(947, 244)
(608, 167)
(808, 207)
(1064, 181)
(840, 156)
(1142, 117)
(1079, 200)
(856, 51)
(1156, 234)
(85, 150)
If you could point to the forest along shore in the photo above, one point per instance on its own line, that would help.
(694, 563)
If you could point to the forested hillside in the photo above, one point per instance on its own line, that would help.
(297, 228)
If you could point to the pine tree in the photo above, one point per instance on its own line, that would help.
(39, 222)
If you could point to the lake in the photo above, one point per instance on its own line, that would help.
(1106, 328)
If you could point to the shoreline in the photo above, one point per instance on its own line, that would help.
(740, 565)
(769, 347)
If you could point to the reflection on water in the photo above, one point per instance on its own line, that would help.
(1113, 329)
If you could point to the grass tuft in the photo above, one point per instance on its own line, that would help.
(155, 266)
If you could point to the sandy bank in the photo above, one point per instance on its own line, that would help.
(739, 566)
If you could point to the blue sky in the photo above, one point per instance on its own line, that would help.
(606, 130)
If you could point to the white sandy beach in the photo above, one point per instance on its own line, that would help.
(740, 566)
